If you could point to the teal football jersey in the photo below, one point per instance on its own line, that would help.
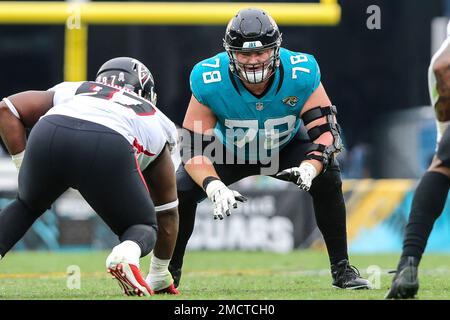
(252, 127)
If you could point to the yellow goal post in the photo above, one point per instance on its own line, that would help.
(78, 15)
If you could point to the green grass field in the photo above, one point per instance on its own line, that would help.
(213, 275)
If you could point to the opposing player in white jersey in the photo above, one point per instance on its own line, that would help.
(107, 139)
(431, 193)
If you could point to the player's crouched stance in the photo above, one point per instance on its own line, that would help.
(254, 99)
(108, 140)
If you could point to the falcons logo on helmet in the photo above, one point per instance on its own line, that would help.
(144, 74)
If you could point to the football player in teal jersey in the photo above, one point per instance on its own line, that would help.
(263, 111)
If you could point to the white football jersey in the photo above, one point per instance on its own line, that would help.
(144, 126)
(432, 88)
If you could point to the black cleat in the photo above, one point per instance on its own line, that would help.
(405, 283)
(176, 275)
(346, 276)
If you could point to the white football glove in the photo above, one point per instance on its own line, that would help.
(223, 198)
(302, 176)
(17, 159)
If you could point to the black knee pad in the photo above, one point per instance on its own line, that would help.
(144, 235)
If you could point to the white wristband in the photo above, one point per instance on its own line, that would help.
(17, 159)
(167, 206)
(11, 107)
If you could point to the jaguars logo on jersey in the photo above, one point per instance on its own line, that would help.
(290, 101)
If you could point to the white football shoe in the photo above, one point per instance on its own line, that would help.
(128, 275)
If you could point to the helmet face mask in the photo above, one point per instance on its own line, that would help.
(253, 31)
(130, 74)
(255, 72)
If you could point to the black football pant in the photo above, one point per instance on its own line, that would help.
(326, 192)
(65, 152)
